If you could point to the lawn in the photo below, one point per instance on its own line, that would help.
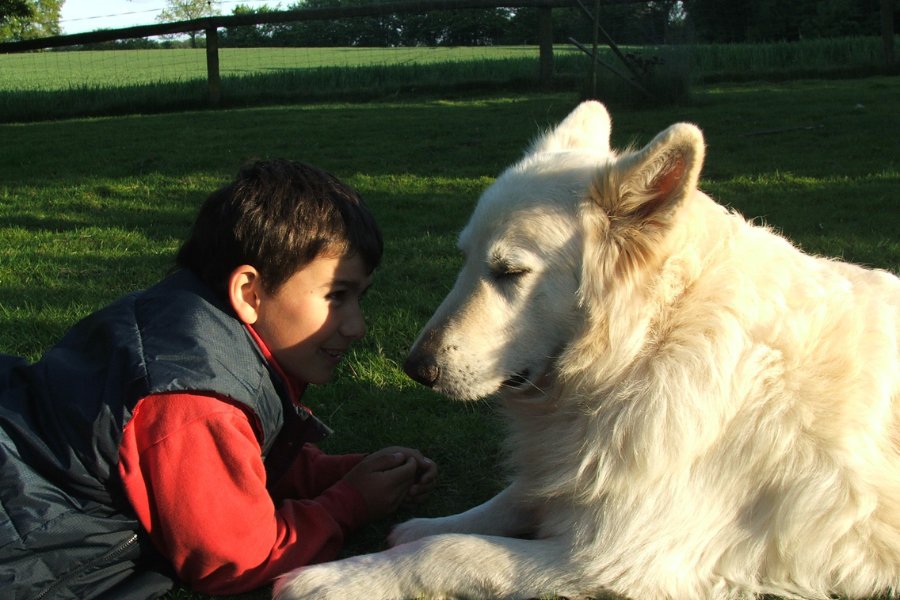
(71, 83)
(65, 69)
(93, 208)
(61, 70)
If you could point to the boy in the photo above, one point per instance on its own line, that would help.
(164, 436)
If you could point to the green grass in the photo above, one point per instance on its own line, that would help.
(781, 60)
(62, 70)
(93, 208)
(64, 84)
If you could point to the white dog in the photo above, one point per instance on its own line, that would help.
(697, 409)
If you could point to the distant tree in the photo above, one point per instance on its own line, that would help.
(338, 32)
(249, 36)
(717, 21)
(831, 18)
(777, 20)
(185, 10)
(481, 27)
(14, 9)
(462, 27)
(29, 19)
(188, 10)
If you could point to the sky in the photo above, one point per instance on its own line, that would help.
(79, 16)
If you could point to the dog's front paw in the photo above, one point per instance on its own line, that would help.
(369, 576)
(318, 582)
(412, 530)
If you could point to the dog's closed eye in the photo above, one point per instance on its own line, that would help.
(510, 273)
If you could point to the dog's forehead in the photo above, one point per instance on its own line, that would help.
(529, 206)
(539, 183)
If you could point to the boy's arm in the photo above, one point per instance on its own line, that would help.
(312, 472)
(192, 469)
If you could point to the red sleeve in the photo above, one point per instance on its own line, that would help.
(192, 469)
(313, 472)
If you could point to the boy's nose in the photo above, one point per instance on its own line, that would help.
(354, 326)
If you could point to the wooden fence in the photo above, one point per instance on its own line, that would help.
(211, 25)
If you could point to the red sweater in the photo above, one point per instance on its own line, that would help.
(191, 465)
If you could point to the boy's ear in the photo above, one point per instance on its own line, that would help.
(244, 287)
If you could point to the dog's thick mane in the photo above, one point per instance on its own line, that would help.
(655, 316)
(633, 277)
(630, 318)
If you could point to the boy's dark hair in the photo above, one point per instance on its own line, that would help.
(278, 216)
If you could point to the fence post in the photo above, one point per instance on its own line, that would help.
(212, 66)
(887, 31)
(545, 42)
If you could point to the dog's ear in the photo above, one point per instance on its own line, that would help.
(644, 187)
(588, 127)
(638, 193)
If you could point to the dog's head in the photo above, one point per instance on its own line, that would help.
(517, 302)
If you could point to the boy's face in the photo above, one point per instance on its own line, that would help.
(309, 323)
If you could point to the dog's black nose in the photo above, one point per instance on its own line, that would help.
(422, 368)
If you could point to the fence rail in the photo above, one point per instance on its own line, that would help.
(303, 14)
(211, 25)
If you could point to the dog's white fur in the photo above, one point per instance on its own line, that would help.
(697, 409)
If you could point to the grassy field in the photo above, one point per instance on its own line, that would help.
(93, 208)
(63, 84)
(62, 70)
(48, 85)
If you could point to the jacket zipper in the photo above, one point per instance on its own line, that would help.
(93, 562)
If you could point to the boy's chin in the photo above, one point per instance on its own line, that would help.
(319, 378)
(309, 376)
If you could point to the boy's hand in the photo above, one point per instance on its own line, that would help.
(426, 475)
(392, 477)
(426, 479)
(384, 479)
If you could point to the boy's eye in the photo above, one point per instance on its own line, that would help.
(345, 294)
